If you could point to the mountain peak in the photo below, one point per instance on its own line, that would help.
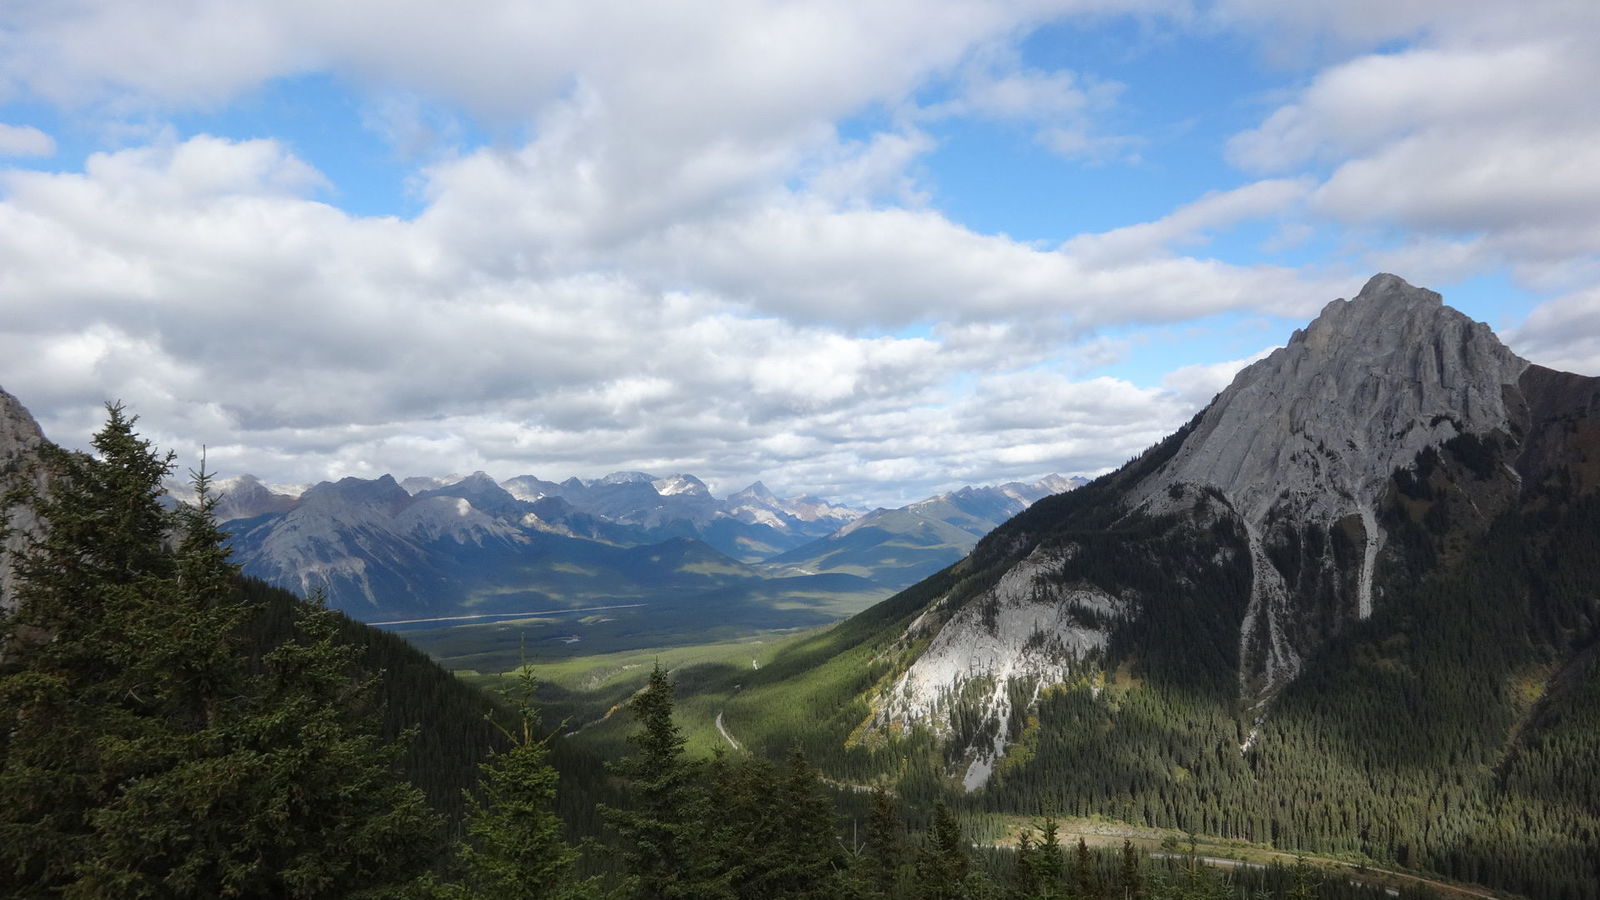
(382, 492)
(1313, 432)
(756, 491)
(681, 483)
(1388, 311)
(1377, 377)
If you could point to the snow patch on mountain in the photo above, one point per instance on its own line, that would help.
(675, 485)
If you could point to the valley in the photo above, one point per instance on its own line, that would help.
(800, 450)
(1372, 665)
(661, 557)
(1360, 634)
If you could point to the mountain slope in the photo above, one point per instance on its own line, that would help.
(896, 547)
(380, 553)
(1351, 606)
(441, 720)
(20, 439)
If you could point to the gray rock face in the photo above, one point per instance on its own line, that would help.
(20, 439)
(1296, 456)
(1372, 381)
(1311, 434)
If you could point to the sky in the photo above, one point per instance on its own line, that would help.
(866, 250)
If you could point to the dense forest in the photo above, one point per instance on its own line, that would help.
(171, 730)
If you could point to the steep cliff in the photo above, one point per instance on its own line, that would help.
(20, 439)
(1234, 551)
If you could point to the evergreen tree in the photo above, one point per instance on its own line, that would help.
(144, 753)
(878, 864)
(1305, 881)
(1049, 867)
(1083, 871)
(515, 848)
(1131, 882)
(66, 693)
(944, 861)
(742, 830)
(657, 829)
(1025, 878)
(813, 860)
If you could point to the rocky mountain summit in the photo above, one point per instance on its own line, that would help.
(20, 439)
(1308, 439)
(1326, 478)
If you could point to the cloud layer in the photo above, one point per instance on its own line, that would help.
(674, 255)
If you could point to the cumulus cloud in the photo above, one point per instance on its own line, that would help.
(1473, 148)
(1561, 333)
(206, 284)
(25, 140)
(678, 263)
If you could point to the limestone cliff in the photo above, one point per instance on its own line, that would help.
(20, 439)
(1265, 514)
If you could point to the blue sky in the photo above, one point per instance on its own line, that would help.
(868, 251)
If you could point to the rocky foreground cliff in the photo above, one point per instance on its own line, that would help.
(20, 439)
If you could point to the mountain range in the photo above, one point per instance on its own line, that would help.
(438, 548)
(1352, 606)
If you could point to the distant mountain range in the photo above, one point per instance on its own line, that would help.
(429, 547)
(898, 547)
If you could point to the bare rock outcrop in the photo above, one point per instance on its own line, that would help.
(20, 440)
(1274, 496)
(1310, 436)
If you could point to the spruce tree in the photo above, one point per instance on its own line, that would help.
(879, 863)
(1087, 880)
(1131, 881)
(812, 858)
(1050, 867)
(515, 848)
(144, 753)
(1305, 882)
(944, 860)
(1025, 878)
(68, 698)
(658, 847)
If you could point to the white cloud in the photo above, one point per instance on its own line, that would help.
(1464, 183)
(1473, 148)
(682, 266)
(1363, 104)
(1197, 384)
(1059, 105)
(25, 140)
(1563, 333)
(859, 172)
(1189, 223)
(203, 283)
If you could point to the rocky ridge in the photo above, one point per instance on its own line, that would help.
(20, 439)
(1287, 475)
(1311, 435)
